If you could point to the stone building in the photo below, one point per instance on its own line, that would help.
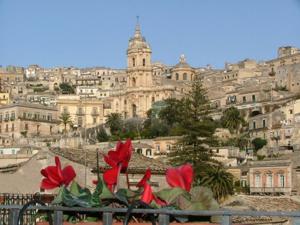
(29, 120)
(270, 177)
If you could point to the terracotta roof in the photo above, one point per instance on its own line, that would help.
(27, 178)
(138, 163)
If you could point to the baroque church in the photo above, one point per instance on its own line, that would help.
(143, 86)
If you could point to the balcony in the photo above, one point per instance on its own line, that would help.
(270, 190)
(24, 118)
(95, 113)
(80, 113)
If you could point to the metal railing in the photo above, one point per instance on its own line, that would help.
(163, 214)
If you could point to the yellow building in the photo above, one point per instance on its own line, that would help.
(4, 98)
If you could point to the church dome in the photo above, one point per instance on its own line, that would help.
(182, 63)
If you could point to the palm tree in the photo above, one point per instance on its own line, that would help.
(220, 181)
(232, 119)
(65, 119)
(114, 122)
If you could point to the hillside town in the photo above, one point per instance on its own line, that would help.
(63, 110)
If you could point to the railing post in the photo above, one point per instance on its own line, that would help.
(226, 220)
(13, 216)
(163, 219)
(107, 218)
(58, 218)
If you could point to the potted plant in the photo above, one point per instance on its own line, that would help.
(180, 195)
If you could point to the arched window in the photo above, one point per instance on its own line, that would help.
(133, 62)
(281, 180)
(133, 81)
(257, 180)
(144, 62)
(184, 76)
(148, 152)
(134, 110)
(269, 180)
(177, 76)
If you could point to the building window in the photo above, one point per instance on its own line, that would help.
(26, 126)
(177, 76)
(158, 148)
(269, 180)
(144, 62)
(133, 62)
(281, 180)
(254, 125)
(184, 76)
(264, 123)
(291, 111)
(139, 151)
(6, 128)
(94, 120)
(257, 180)
(12, 127)
(13, 116)
(244, 99)
(148, 152)
(253, 98)
(79, 121)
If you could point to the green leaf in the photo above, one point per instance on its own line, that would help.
(106, 193)
(196, 206)
(170, 194)
(204, 195)
(75, 188)
(81, 197)
(59, 197)
(95, 200)
(82, 200)
(182, 202)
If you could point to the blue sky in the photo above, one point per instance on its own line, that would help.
(87, 33)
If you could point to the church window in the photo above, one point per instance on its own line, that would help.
(177, 76)
(133, 62)
(184, 76)
(144, 62)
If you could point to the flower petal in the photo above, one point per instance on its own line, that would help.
(147, 195)
(110, 176)
(159, 201)
(174, 178)
(187, 174)
(145, 178)
(110, 161)
(51, 174)
(68, 174)
(47, 184)
(58, 166)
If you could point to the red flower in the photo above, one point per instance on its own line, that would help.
(110, 177)
(121, 155)
(55, 176)
(145, 178)
(181, 176)
(147, 195)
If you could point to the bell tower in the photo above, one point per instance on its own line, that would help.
(138, 61)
